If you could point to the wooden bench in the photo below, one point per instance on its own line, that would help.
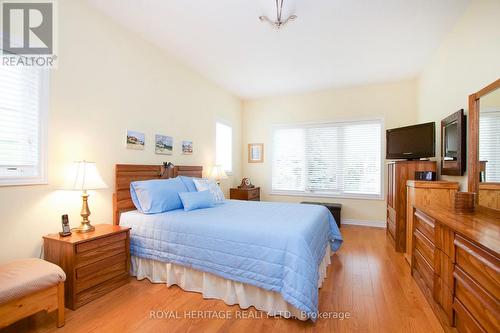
(29, 286)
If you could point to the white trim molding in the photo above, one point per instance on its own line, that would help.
(365, 223)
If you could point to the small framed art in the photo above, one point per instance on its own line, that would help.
(135, 140)
(255, 153)
(163, 144)
(187, 147)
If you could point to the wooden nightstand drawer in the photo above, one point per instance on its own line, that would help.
(96, 254)
(95, 263)
(93, 274)
(252, 194)
(94, 244)
(97, 291)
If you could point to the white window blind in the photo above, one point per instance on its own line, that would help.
(330, 159)
(224, 146)
(23, 103)
(489, 144)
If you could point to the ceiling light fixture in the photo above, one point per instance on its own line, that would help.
(278, 23)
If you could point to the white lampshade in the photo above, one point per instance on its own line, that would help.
(218, 173)
(84, 176)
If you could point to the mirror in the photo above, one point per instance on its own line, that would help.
(453, 144)
(489, 138)
(484, 145)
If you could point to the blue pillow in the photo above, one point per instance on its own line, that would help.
(196, 200)
(157, 196)
(188, 181)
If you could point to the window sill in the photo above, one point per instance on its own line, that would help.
(325, 195)
(23, 182)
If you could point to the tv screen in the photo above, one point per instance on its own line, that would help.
(411, 142)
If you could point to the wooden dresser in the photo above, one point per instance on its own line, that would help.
(95, 262)
(251, 194)
(426, 194)
(456, 263)
(398, 173)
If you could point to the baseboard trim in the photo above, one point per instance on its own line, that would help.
(365, 223)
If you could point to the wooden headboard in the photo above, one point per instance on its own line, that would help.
(127, 173)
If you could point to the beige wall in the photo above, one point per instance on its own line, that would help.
(466, 61)
(110, 80)
(394, 102)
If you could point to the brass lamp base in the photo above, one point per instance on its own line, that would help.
(85, 225)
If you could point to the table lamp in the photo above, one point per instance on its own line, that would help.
(218, 173)
(84, 176)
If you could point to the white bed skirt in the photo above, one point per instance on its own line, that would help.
(213, 286)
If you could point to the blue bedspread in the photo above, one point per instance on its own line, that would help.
(275, 246)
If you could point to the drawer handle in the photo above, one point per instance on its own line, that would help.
(424, 218)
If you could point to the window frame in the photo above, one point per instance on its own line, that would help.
(228, 124)
(43, 104)
(298, 193)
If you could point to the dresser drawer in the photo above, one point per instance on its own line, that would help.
(391, 227)
(482, 266)
(481, 305)
(391, 213)
(96, 243)
(424, 246)
(99, 253)
(253, 194)
(464, 322)
(425, 225)
(424, 269)
(93, 274)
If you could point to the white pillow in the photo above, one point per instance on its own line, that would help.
(204, 184)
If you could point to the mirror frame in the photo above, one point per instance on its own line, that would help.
(473, 135)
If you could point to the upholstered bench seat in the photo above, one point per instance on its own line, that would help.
(28, 286)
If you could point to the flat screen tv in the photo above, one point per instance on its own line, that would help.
(411, 142)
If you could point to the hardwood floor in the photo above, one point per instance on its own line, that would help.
(367, 278)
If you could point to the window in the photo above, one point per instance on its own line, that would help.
(489, 144)
(330, 159)
(224, 146)
(23, 125)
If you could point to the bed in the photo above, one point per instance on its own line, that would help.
(272, 256)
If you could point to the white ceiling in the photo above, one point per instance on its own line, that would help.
(332, 43)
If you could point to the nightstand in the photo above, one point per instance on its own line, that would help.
(251, 194)
(95, 262)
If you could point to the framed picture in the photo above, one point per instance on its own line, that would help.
(187, 147)
(135, 140)
(164, 144)
(255, 153)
